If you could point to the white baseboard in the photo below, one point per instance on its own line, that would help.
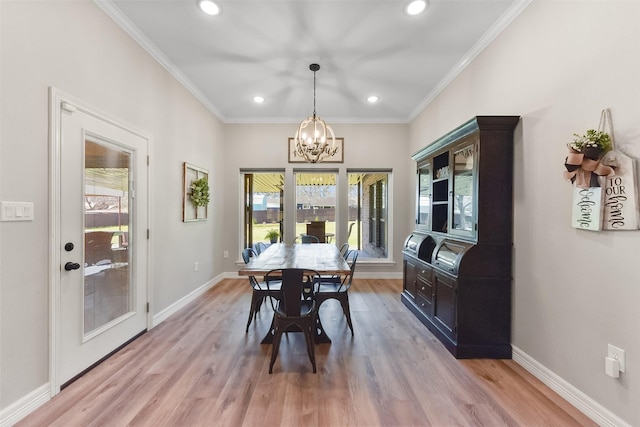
(592, 409)
(182, 302)
(24, 406)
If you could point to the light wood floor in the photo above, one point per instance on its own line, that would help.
(200, 368)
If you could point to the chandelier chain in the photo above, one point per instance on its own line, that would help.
(314, 93)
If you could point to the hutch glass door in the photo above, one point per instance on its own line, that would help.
(463, 196)
(423, 216)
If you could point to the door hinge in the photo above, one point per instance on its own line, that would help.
(148, 234)
(147, 160)
(148, 307)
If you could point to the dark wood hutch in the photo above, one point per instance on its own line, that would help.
(457, 262)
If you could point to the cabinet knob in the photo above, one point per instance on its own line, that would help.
(423, 288)
(422, 272)
(423, 305)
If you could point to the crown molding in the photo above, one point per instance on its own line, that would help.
(494, 31)
(119, 18)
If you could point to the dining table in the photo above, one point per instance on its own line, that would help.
(323, 258)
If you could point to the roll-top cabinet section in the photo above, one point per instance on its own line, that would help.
(418, 282)
(458, 258)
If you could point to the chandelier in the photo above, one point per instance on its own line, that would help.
(314, 139)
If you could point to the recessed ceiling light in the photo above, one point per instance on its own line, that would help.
(416, 7)
(258, 99)
(372, 99)
(209, 7)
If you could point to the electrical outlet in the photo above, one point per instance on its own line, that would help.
(618, 354)
(226, 254)
(195, 266)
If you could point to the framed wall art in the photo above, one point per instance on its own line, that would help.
(195, 194)
(337, 158)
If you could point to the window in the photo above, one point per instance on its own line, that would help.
(359, 216)
(368, 213)
(263, 206)
(316, 205)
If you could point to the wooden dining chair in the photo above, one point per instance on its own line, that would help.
(260, 289)
(338, 290)
(292, 311)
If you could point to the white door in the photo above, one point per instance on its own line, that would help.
(103, 238)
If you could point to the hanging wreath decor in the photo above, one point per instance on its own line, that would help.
(200, 192)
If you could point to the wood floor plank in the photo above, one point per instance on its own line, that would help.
(200, 368)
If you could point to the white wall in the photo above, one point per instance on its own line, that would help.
(365, 146)
(75, 47)
(557, 66)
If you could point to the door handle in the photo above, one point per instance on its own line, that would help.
(71, 266)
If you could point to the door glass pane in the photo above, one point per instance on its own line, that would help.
(463, 215)
(107, 260)
(316, 205)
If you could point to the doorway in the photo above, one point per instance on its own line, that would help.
(99, 211)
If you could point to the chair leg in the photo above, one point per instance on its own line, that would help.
(275, 346)
(253, 309)
(344, 302)
(309, 335)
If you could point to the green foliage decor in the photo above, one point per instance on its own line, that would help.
(592, 139)
(272, 235)
(200, 192)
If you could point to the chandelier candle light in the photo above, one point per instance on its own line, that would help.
(314, 139)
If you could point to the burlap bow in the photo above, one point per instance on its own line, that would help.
(583, 169)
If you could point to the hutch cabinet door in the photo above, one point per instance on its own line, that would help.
(445, 304)
(410, 277)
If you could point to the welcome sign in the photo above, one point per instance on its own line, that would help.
(620, 199)
(587, 208)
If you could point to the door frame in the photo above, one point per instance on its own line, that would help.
(59, 101)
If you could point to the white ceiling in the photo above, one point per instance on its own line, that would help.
(265, 47)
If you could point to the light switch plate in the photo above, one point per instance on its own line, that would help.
(16, 211)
